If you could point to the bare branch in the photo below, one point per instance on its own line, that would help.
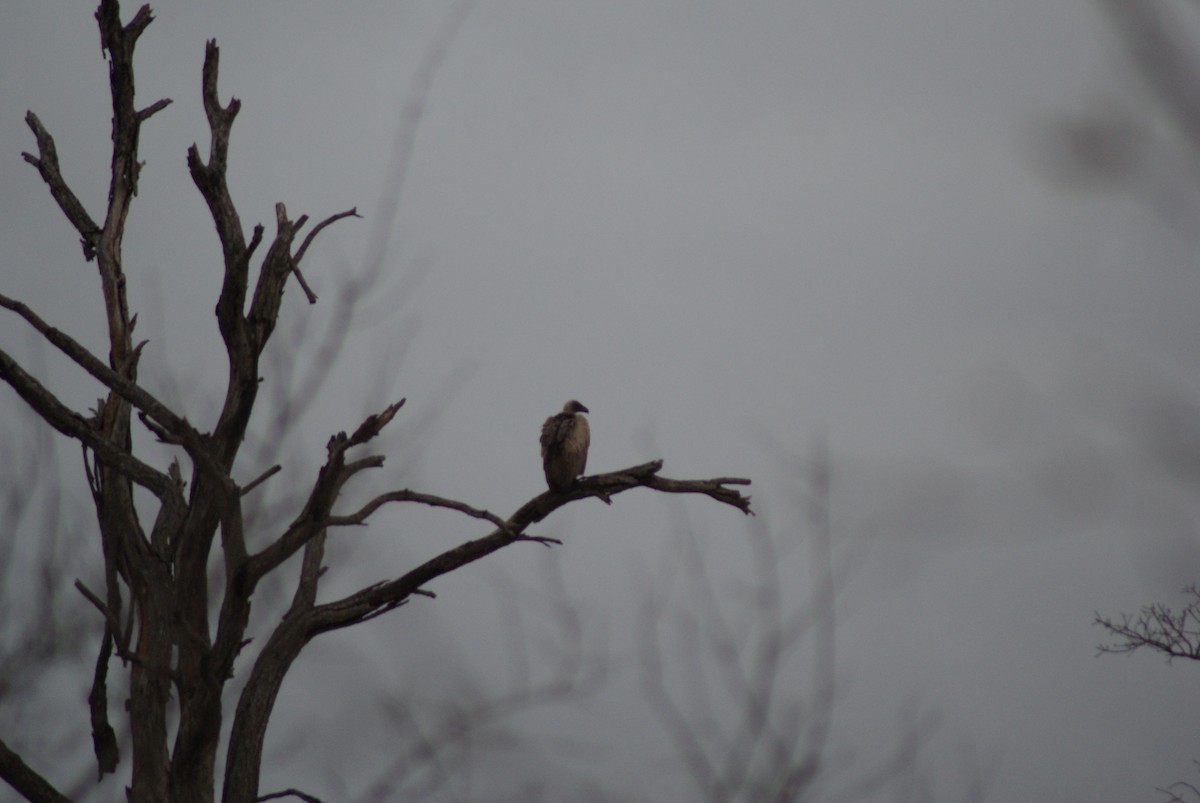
(132, 392)
(388, 595)
(104, 739)
(291, 793)
(374, 424)
(47, 164)
(28, 783)
(272, 275)
(361, 515)
(308, 291)
(109, 618)
(714, 488)
(300, 252)
(153, 109)
(119, 42)
(644, 475)
(305, 619)
(210, 180)
(303, 249)
(261, 478)
(112, 34)
(316, 514)
(544, 540)
(1174, 796)
(73, 425)
(266, 676)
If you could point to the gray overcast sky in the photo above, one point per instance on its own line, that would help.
(719, 225)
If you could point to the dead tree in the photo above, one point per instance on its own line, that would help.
(171, 639)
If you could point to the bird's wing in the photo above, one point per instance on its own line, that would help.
(555, 432)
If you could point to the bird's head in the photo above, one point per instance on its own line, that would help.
(575, 407)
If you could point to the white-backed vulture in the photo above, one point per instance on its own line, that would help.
(565, 439)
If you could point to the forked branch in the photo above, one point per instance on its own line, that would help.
(361, 515)
(46, 163)
(299, 255)
(317, 511)
(306, 619)
(369, 602)
(178, 428)
(73, 425)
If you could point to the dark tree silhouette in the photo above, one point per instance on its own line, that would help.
(176, 631)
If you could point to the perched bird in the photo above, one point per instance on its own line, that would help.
(565, 439)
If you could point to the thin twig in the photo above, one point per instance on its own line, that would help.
(260, 479)
(362, 514)
(307, 798)
(303, 249)
(99, 604)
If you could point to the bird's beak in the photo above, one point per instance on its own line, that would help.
(583, 409)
